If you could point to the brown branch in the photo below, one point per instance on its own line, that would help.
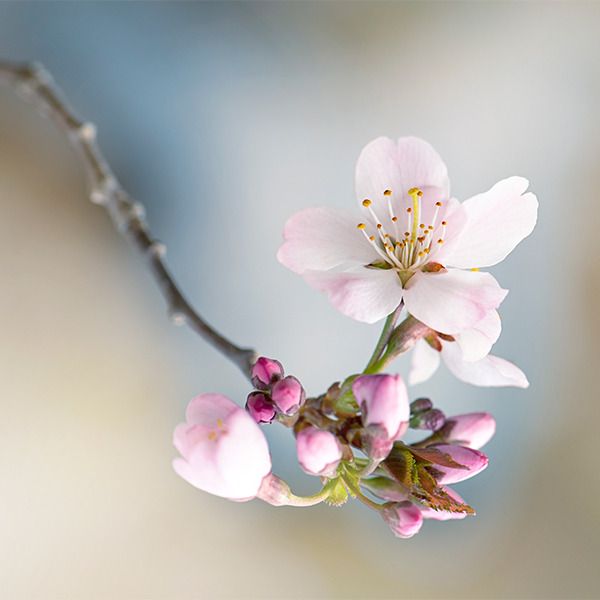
(35, 83)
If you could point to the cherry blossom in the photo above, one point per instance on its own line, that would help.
(223, 450)
(411, 241)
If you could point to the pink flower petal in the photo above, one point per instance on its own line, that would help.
(452, 301)
(398, 166)
(224, 451)
(366, 295)
(475, 343)
(424, 362)
(498, 220)
(489, 371)
(322, 238)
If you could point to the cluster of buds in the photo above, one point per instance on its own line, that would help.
(274, 394)
(349, 437)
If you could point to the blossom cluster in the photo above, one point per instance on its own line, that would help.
(413, 250)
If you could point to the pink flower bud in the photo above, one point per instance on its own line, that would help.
(473, 460)
(383, 400)
(224, 451)
(288, 395)
(260, 407)
(403, 518)
(265, 372)
(319, 452)
(473, 430)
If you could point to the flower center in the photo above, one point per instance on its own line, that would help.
(217, 430)
(408, 250)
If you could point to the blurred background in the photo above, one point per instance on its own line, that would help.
(224, 119)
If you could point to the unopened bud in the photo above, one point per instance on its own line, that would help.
(420, 405)
(260, 407)
(473, 430)
(472, 461)
(433, 420)
(288, 395)
(403, 518)
(265, 372)
(319, 452)
(383, 400)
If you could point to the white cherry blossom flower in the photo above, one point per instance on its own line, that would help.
(411, 241)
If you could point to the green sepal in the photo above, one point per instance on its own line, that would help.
(337, 492)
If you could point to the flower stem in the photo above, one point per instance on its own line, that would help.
(127, 215)
(402, 339)
(386, 332)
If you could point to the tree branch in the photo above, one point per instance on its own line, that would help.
(35, 83)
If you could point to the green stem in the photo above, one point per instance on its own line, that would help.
(386, 332)
(402, 339)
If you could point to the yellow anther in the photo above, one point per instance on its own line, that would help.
(361, 226)
(475, 269)
(372, 238)
(422, 225)
(409, 210)
(212, 436)
(386, 235)
(438, 204)
(394, 219)
(379, 225)
(387, 192)
(440, 241)
(366, 203)
(219, 423)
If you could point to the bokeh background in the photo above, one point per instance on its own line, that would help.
(223, 119)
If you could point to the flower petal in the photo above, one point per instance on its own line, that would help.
(366, 295)
(424, 362)
(322, 238)
(489, 371)
(498, 220)
(398, 166)
(451, 301)
(477, 342)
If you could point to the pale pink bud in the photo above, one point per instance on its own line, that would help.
(224, 451)
(319, 452)
(473, 461)
(288, 395)
(383, 400)
(265, 372)
(473, 430)
(404, 519)
(260, 407)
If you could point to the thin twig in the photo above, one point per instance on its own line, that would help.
(35, 83)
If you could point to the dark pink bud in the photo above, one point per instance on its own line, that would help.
(403, 518)
(265, 372)
(432, 419)
(260, 407)
(420, 405)
(288, 395)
